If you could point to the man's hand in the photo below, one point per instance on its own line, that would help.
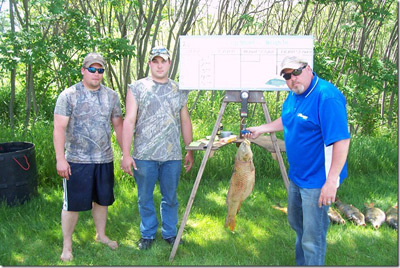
(328, 194)
(127, 163)
(254, 132)
(63, 169)
(188, 161)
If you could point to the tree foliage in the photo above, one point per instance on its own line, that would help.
(42, 44)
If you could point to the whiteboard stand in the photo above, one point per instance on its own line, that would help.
(230, 96)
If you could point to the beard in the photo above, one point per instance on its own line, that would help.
(298, 89)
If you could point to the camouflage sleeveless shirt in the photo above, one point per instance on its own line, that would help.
(158, 125)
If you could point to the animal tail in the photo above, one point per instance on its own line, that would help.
(230, 222)
(278, 207)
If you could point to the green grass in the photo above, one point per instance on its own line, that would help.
(30, 234)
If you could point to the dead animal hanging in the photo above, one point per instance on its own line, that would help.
(242, 182)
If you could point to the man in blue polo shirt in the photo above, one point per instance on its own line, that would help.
(314, 123)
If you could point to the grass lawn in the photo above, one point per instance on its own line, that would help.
(30, 234)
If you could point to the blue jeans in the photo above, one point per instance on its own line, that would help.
(167, 173)
(310, 223)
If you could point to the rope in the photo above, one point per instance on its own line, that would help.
(26, 160)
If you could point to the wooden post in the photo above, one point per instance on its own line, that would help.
(277, 150)
(197, 182)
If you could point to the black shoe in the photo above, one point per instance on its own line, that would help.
(171, 240)
(145, 243)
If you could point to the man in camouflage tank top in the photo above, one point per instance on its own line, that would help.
(82, 134)
(156, 114)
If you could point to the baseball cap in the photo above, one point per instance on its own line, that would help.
(159, 51)
(292, 62)
(93, 58)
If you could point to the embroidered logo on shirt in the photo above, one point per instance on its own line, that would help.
(302, 116)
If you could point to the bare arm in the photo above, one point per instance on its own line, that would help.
(60, 125)
(339, 155)
(187, 135)
(117, 124)
(127, 133)
(274, 126)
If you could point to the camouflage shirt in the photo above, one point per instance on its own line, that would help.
(88, 133)
(158, 125)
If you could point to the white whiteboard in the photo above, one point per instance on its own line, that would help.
(238, 62)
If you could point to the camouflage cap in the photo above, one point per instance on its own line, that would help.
(93, 58)
(159, 51)
(292, 62)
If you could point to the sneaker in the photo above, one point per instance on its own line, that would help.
(171, 240)
(145, 243)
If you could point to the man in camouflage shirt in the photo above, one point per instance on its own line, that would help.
(82, 142)
(156, 113)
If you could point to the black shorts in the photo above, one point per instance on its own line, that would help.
(88, 183)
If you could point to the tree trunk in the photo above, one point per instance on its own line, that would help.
(28, 97)
(29, 73)
(296, 30)
(13, 72)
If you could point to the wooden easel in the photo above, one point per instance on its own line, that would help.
(231, 96)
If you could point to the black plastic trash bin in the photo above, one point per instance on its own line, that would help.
(18, 175)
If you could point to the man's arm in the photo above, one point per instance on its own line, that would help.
(117, 125)
(187, 135)
(274, 126)
(60, 124)
(127, 161)
(339, 155)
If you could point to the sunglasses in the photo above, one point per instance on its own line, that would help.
(158, 50)
(93, 70)
(295, 72)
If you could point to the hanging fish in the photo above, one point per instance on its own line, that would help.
(242, 182)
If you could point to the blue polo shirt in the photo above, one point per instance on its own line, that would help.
(312, 122)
